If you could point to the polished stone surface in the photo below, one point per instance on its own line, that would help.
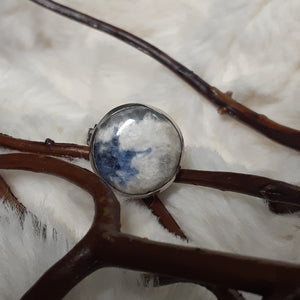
(136, 149)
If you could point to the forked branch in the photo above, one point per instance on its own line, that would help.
(105, 245)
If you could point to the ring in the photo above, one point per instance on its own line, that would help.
(136, 150)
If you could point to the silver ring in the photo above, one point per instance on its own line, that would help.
(136, 149)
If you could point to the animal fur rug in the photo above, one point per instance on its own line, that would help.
(58, 78)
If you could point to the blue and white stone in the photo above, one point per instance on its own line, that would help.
(136, 149)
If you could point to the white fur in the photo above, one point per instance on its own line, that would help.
(58, 78)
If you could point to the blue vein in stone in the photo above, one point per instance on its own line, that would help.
(114, 164)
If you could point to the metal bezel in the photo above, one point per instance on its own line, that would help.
(110, 114)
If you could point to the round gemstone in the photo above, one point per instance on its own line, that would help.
(136, 149)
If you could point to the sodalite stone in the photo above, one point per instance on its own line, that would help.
(136, 149)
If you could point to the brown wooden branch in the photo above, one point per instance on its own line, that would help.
(167, 221)
(52, 148)
(199, 265)
(79, 262)
(48, 147)
(223, 101)
(104, 245)
(283, 295)
(273, 191)
(153, 203)
(281, 197)
(163, 215)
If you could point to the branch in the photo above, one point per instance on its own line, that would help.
(164, 217)
(79, 262)
(154, 203)
(199, 265)
(167, 221)
(223, 101)
(282, 294)
(104, 245)
(48, 147)
(283, 196)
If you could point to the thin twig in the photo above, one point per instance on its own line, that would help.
(48, 147)
(273, 191)
(163, 215)
(223, 101)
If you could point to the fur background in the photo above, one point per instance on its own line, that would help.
(58, 78)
